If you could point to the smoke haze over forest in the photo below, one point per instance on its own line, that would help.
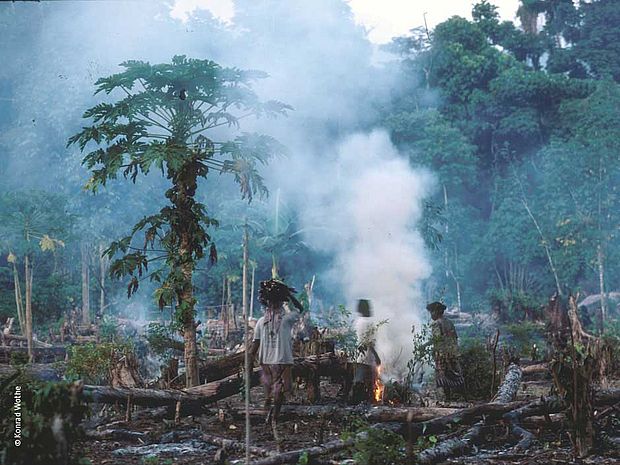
(469, 122)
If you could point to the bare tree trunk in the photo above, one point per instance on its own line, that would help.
(600, 259)
(19, 303)
(85, 285)
(252, 293)
(246, 378)
(28, 274)
(103, 267)
(545, 243)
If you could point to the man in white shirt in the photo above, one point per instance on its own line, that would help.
(273, 342)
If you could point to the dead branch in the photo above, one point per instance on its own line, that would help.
(231, 445)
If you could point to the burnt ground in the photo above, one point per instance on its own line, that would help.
(552, 445)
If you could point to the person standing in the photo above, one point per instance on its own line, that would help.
(274, 344)
(448, 372)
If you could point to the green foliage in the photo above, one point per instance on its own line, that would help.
(93, 362)
(162, 122)
(379, 447)
(524, 335)
(161, 339)
(421, 353)
(477, 365)
(155, 460)
(50, 417)
(108, 329)
(19, 358)
(303, 459)
(339, 319)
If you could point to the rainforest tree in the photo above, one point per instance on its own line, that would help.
(163, 117)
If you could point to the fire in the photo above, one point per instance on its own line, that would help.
(379, 387)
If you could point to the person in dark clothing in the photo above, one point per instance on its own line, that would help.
(448, 372)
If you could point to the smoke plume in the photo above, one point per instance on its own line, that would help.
(364, 211)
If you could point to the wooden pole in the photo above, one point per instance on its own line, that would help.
(247, 343)
(28, 278)
(252, 293)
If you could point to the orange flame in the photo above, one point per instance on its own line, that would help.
(379, 387)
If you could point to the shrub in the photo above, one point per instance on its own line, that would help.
(477, 365)
(49, 417)
(93, 362)
(379, 447)
(523, 336)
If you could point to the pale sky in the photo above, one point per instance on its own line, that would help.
(383, 18)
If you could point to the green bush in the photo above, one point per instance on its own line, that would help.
(93, 362)
(379, 447)
(49, 417)
(477, 364)
(108, 330)
(19, 358)
(523, 336)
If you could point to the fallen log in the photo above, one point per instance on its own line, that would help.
(535, 369)
(37, 371)
(191, 398)
(543, 406)
(459, 446)
(461, 417)
(377, 414)
(327, 364)
(312, 453)
(231, 445)
(118, 434)
(222, 367)
(606, 397)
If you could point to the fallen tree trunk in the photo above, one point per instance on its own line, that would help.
(312, 452)
(327, 364)
(378, 414)
(220, 368)
(543, 406)
(459, 446)
(324, 449)
(535, 369)
(197, 396)
(231, 445)
(36, 371)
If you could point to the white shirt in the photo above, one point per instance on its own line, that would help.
(276, 347)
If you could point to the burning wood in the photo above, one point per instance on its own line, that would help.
(379, 387)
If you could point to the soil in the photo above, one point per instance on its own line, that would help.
(552, 446)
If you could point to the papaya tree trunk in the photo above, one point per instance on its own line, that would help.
(85, 285)
(28, 278)
(186, 306)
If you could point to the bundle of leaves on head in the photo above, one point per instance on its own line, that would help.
(162, 121)
(50, 415)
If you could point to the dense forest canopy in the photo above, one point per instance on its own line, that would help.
(512, 128)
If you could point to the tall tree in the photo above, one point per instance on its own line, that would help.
(582, 171)
(162, 121)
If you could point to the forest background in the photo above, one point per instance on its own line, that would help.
(519, 123)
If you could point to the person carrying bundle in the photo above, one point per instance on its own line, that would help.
(274, 345)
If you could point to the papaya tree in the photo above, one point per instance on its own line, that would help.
(162, 117)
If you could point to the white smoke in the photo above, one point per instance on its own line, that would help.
(365, 215)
